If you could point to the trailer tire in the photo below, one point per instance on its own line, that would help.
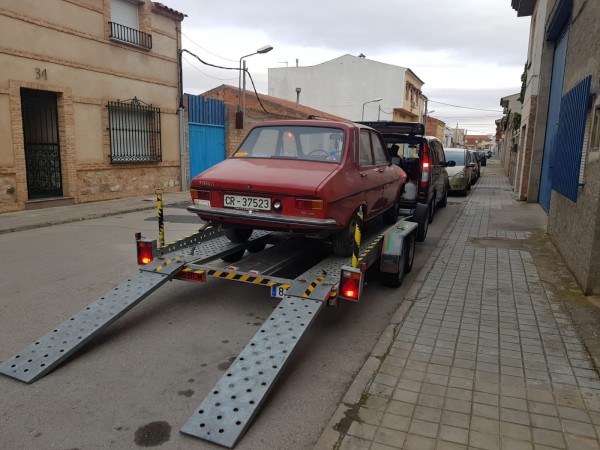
(421, 217)
(410, 252)
(394, 280)
(233, 257)
(238, 235)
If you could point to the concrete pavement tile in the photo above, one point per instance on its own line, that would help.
(462, 373)
(543, 408)
(511, 370)
(445, 445)
(581, 443)
(490, 388)
(415, 442)
(428, 414)
(456, 419)
(595, 417)
(513, 403)
(395, 422)
(540, 396)
(460, 406)
(514, 416)
(381, 390)
(413, 375)
(438, 369)
(487, 377)
(485, 398)
(388, 380)
(433, 389)
(490, 426)
(409, 385)
(580, 428)
(388, 436)
(390, 369)
(460, 394)
(422, 428)
(370, 416)
(484, 440)
(515, 431)
(486, 411)
(471, 356)
(442, 360)
(548, 437)
(400, 408)
(395, 361)
(405, 396)
(354, 443)
(454, 434)
(573, 414)
(433, 401)
(510, 380)
(376, 403)
(378, 446)
(440, 351)
(547, 422)
(362, 430)
(433, 378)
(514, 444)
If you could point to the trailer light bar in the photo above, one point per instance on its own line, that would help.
(351, 283)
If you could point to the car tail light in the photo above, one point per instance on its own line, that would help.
(425, 171)
(302, 203)
(200, 197)
(351, 283)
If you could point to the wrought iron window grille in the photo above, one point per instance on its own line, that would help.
(134, 130)
(129, 35)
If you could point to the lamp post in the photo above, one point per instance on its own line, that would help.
(242, 106)
(363, 107)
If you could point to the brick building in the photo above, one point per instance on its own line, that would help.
(89, 96)
(276, 108)
(435, 127)
(477, 141)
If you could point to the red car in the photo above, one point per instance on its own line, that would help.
(304, 176)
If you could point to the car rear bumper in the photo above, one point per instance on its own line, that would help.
(261, 219)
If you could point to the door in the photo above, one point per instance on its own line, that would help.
(370, 173)
(206, 122)
(387, 172)
(42, 149)
(556, 88)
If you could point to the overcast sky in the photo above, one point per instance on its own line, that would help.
(468, 52)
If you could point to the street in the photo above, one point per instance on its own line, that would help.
(140, 380)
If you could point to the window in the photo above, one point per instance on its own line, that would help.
(124, 25)
(365, 156)
(134, 129)
(379, 151)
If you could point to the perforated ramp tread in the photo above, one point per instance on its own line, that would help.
(53, 348)
(227, 411)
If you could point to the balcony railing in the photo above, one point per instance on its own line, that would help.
(130, 35)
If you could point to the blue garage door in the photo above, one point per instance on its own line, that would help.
(206, 118)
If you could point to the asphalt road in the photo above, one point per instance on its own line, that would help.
(138, 382)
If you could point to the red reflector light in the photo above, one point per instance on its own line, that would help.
(145, 251)
(350, 283)
(308, 204)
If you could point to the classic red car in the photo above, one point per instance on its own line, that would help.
(305, 176)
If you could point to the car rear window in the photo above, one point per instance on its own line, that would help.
(458, 156)
(307, 143)
(403, 147)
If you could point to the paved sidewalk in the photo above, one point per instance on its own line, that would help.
(25, 220)
(485, 358)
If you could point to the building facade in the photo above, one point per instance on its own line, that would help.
(435, 127)
(89, 101)
(565, 153)
(350, 87)
(509, 137)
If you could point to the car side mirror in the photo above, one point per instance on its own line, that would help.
(450, 163)
(471, 164)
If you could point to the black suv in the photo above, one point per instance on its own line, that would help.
(422, 158)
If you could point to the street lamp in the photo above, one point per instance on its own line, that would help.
(370, 101)
(265, 49)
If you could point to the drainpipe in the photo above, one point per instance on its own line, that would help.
(182, 164)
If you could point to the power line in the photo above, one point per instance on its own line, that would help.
(465, 107)
(207, 51)
(204, 73)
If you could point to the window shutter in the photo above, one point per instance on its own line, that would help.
(125, 13)
(586, 141)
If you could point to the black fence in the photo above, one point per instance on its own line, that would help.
(134, 130)
(130, 35)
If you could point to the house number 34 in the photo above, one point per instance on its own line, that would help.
(40, 74)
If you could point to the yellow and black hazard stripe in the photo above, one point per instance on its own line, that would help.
(357, 237)
(246, 278)
(370, 247)
(312, 286)
(166, 263)
(160, 213)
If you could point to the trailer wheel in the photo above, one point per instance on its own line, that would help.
(421, 217)
(238, 235)
(395, 279)
(233, 257)
(410, 252)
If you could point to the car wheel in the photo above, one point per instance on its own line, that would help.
(421, 218)
(343, 241)
(391, 215)
(464, 192)
(444, 201)
(238, 235)
(468, 187)
(432, 209)
(395, 279)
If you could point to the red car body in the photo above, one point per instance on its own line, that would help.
(300, 175)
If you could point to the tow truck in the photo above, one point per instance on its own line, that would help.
(324, 280)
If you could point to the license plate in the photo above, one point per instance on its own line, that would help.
(278, 291)
(245, 202)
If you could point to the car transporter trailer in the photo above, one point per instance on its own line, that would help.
(228, 409)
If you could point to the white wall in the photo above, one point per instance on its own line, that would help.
(342, 85)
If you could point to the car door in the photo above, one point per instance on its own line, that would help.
(388, 175)
(371, 175)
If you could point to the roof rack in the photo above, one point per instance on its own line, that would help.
(412, 128)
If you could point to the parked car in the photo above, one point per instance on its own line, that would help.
(304, 176)
(460, 174)
(476, 173)
(482, 156)
(422, 158)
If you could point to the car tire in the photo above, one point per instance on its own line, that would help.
(463, 192)
(421, 218)
(238, 235)
(394, 280)
(391, 215)
(343, 241)
(444, 201)
(432, 209)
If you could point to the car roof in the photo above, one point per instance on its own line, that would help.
(307, 123)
